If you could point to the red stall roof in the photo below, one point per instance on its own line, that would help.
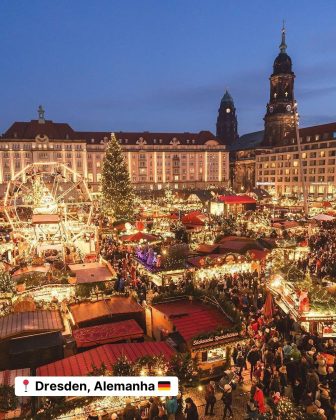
(24, 323)
(193, 318)
(117, 305)
(194, 218)
(81, 364)
(107, 333)
(237, 199)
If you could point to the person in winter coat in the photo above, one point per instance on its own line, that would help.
(190, 410)
(171, 407)
(253, 357)
(267, 380)
(312, 382)
(130, 412)
(283, 378)
(241, 362)
(227, 400)
(260, 400)
(275, 383)
(297, 391)
(154, 408)
(210, 398)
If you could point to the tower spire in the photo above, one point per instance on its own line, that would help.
(283, 45)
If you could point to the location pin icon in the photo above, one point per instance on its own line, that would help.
(25, 383)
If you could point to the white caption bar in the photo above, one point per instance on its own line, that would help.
(120, 386)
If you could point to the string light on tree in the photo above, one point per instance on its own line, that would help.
(117, 191)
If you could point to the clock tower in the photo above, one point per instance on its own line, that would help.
(279, 110)
(226, 127)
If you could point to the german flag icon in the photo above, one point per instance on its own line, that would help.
(164, 385)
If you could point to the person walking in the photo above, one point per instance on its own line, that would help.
(190, 410)
(227, 401)
(171, 407)
(253, 357)
(210, 398)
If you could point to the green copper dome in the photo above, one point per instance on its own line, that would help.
(227, 98)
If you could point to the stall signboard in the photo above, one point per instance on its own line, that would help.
(214, 339)
(318, 318)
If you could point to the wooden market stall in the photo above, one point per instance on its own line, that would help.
(197, 327)
(30, 339)
(117, 308)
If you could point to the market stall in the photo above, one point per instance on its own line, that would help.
(197, 327)
(29, 339)
(301, 304)
(117, 308)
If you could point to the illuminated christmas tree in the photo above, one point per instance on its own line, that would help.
(117, 191)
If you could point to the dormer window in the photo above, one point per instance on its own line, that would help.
(154, 141)
(174, 142)
(141, 141)
(160, 141)
(193, 141)
(120, 141)
(126, 141)
(67, 136)
(188, 141)
(15, 135)
(92, 140)
(317, 137)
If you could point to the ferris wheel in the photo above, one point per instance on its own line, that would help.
(48, 202)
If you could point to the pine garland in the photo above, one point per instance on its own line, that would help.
(117, 191)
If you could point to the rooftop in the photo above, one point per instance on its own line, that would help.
(192, 318)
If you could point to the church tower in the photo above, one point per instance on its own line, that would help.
(279, 110)
(226, 127)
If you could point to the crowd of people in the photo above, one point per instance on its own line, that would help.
(321, 260)
(278, 358)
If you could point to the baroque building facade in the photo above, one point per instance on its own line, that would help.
(155, 160)
(270, 159)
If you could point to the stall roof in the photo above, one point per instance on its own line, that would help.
(239, 246)
(33, 322)
(194, 218)
(45, 219)
(91, 272)
(138, 236)
(192, 318)
(107, 333)
(117, 305)
(7, 377)
(81, 364)
(207, 249)
(237, 199)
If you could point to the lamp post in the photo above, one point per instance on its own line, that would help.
(302, 176)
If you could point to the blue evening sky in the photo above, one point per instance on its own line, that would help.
(161, 65)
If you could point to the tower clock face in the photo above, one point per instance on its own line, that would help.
(288, 107)
(228, 110)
